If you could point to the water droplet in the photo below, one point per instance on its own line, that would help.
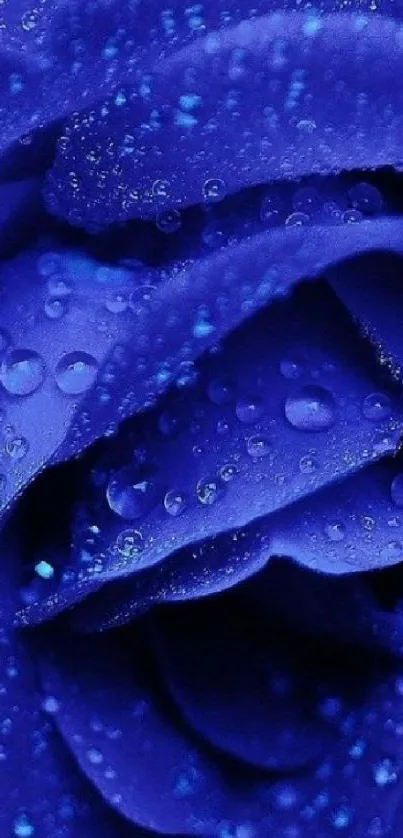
(44, 569)
(59, 287)
(297, 219)
(270, 210)
(341, 817)
(290, 368)
(365, 198)
(187, 375)
(54, 309)
(385, 772)
(130, 496)
(23, 827)
(116, 302)
(141, 297)
(306, 200)
(377, 406)
(50, 704)
(308, 464)
(335, 531)
(352, 216)
(312, 408)
(160, 188)
(258, 446)
(94, 756)
(129, 543)
(169, 221)
(22, 372)
(392, 551)
(214, 190)
(227, 472)
(175, 503)
(17, 447)
(249, 410)
(221, 391)
(396, 491)
(208, 491)
(49, 263)
(76, 372)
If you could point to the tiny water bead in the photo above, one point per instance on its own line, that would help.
(221, 391)
(311, 408)
(214, 190)
(76, 372)
(22, 372)
(23, 827)
(208, 491)
(169, 221)
(291, 368)
(396, 490)
(17, 447)
(175, 503)
(160, 188)
(116, 302)
(129, 495)
(377, 407)
(258, 446)
(129, 543)
(385, 772)
(54, 308)
(308, 464)
(249, 410)
(335, 531)
(141, 298)
(227, 472)
(50, 263)
(392, 551)
(306, 200)
(352, 216)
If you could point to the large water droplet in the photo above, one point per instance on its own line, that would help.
(76, 373)
(22, 372)
(396, 490)
(377, 406)
(130, 496)
(311, 408)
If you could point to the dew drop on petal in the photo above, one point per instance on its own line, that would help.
(306, 200)
(169, 221)
(214, 190)
(129, 543)
(335, 531)
(385, 772)
(221, 391)
(22, 372)
(227, 472)
(365, 198)
(129, 496)
(297, 219)
(377, 406)
(208, 491)
(249, 410)
(160, 188)
(311, 408)
(54, 308)
(76, 372)
(17, 447)
(175, 503)
(258, 446)
(392, 551)
(23, 827)
(290, 368)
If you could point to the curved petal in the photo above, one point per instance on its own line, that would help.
(121, 160)
(50, 796)
(175, 788)
(271, 421)
(247, 686)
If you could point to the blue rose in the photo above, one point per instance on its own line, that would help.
(201, 476)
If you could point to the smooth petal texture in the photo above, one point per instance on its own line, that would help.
(256, 699)
(49, 797)
(270, 422)
(114, 720)
(120, 160)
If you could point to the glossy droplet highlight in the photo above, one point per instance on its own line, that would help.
(335, 531)
(175, 503)
(311, 408)
(129, 543)
(249, 410)
(377, 406)
(214, 190)
(76, 373)
(129, 495)
(22, 372)
(258, 446)
(169, 221)
(208, 491)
